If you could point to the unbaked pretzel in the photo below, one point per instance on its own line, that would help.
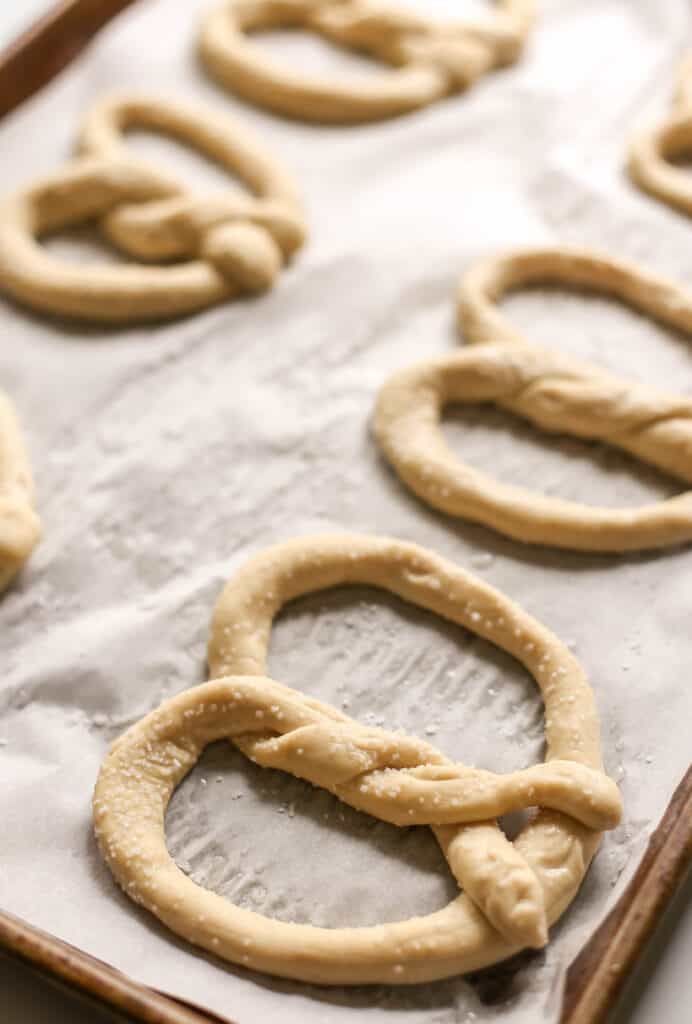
(558, 394)
(649, 158)
(520, 887)
(430, 59)
(234, 243)
(19, 524)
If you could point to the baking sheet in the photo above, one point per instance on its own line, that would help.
(165, 455)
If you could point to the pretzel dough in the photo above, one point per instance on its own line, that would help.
(233, 243)
(520, 887)
(555, 393)
(19, 524)
(485, 284)
(430, 60)
(649, 158)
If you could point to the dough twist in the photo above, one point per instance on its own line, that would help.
(430, 59)
(233, 243)
(512, 891)
(552, 391)
(649, 157)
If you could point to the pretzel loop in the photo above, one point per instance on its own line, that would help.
(512, 891)
(557, 394)
(430, 60)
(649, 162)
(232, 242)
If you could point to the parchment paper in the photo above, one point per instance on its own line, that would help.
(165, 455)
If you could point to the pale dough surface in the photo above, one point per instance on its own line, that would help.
(512, 892)
(19, 524)
(232, 243)
(430, 59)
(557, 393)
(649, 161)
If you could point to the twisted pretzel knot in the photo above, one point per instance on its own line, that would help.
(433, 59)
(233, 242)
(512, 891)
(649, 157)
(557, 394)
(19, 525)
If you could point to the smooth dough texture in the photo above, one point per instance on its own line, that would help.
(429, 59)
(233, 243)
(512, 891)
(557, 394)
(19, 525)
(484, 285)
(650, 154)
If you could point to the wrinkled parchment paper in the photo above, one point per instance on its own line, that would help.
(165, 455)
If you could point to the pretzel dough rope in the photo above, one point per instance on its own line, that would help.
(558, 395)
(19, 525)
(485, 284)
(522, 886)
(648, 162)
(235, 243)
(432, 60)
(590, 403)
